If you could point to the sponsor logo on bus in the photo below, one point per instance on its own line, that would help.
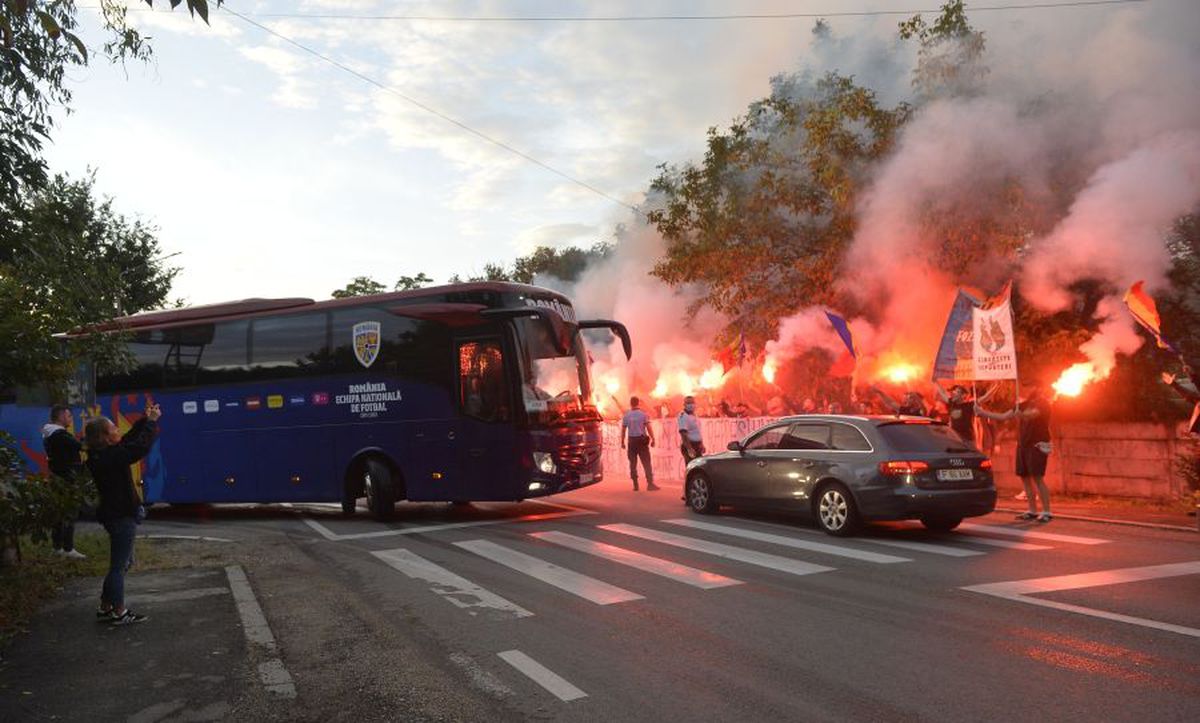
(320, 398)
(297, 400)
(212, 405)
(232, 405)
(366, 342)
(254, 403)
(564, 311)
(275, 401)
(189, 408)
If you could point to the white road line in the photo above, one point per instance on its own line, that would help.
(1008, 544)
(460, 591)
(931, 548)
(481, 678)
(1034, 534)
(729, 552)
(542, 675)
(1019, 590)
(573, 582)
(274, 676)
(789, 541)
(657, 566)
(568, 511)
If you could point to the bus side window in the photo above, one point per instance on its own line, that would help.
(289, 346)
(483, 388)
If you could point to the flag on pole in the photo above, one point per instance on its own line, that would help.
(734, 353)
(956, 356)
(845, 364)
(843, 331)
(993, 347)
(1145, 312)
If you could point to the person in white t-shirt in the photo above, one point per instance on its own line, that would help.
(691, 442)
(636, 424)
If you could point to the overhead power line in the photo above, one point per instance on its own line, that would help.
(681, 17)
(431, 110)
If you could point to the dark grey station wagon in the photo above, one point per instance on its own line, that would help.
(846, 470)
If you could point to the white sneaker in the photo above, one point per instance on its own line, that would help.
(1020, 496)
(74, 555)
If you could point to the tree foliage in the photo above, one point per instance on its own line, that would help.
(39, 48)
(359, 286)
(68, 259)
(762, 222)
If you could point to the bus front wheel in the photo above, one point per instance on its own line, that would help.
(380, 489)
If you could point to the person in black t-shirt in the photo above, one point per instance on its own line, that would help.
(961, 409)
(65, 461)
(1033, 447)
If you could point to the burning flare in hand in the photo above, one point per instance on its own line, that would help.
(1071, 382)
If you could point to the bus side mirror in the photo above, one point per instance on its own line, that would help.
(735, 446)
(616, 327)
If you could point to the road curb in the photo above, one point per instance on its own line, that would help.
(1109, 521)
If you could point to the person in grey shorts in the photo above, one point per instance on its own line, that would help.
(636, 424)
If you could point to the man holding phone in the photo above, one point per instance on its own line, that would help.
(110, 456)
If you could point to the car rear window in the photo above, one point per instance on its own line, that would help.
(922, 438)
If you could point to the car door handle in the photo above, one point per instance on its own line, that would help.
(761, 464)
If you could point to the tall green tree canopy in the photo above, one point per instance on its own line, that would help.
(68, 259)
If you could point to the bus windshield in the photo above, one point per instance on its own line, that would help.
(554, 386)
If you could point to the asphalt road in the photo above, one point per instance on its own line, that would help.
(605, 604)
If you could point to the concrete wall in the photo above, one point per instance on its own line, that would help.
(1112, 459)
(1115, 459)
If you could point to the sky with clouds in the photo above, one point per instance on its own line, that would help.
(271, 172)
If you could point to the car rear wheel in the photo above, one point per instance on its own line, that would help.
(700, 495)
(940, 523)
(836, 512)
(380, 489)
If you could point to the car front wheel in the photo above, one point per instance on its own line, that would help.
(836, 512)
(700, 494)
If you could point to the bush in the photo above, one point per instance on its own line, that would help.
(31, 504)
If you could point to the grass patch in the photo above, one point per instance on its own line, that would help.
(41, 574)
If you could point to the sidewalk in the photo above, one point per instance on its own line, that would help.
(189, 661)
(1107, 509)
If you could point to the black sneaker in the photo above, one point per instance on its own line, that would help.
(129, 617)
(653, 488)
(105, 616)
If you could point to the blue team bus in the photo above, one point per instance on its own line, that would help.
(467, 392)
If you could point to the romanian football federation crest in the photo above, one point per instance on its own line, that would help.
(366, 342)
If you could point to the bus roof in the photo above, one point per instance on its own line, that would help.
(469, 298)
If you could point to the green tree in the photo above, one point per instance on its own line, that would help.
(409, 283)
(359, 286)
(67, 260)
(950, 53)
(38, 51)
(567, 263)
(761, 224)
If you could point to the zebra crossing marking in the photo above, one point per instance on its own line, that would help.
(728, 552)
(790, 541)
(1034, 534)
(458, 590)
(588, 588)
(654, 565)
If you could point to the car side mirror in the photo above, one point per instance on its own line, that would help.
(735, 446)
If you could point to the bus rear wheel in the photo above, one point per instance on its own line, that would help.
(380, 489)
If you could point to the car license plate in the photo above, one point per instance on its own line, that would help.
(955, 475)
(586, 479)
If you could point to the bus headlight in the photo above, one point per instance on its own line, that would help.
(544, 462)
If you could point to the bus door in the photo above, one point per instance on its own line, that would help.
(487, 437)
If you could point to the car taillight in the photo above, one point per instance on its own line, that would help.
(896, 469)
(985, 464)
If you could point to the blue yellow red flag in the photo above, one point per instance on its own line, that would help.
(1145, 312)
(843, 331)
